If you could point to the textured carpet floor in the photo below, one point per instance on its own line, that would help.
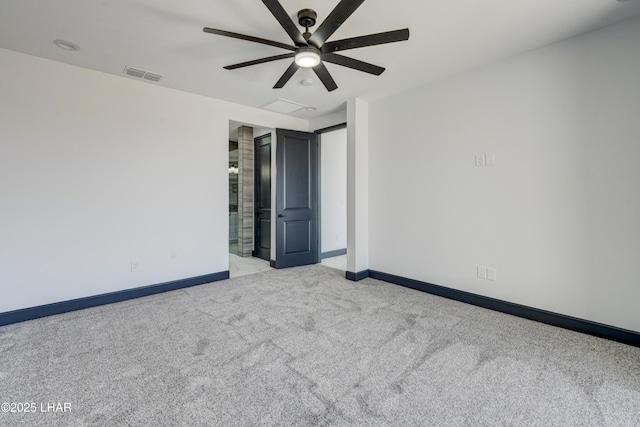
(304, 346)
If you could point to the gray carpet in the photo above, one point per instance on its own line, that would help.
(304, 346)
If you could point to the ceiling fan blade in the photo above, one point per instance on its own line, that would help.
(259, 61)
(338, 15)
(369, 40)
(324, 76)
(352, 63)
(287, 75)
(248, 38)
(285, 20)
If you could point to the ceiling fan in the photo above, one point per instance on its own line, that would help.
(311, 50)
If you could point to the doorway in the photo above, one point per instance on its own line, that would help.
(241, 200)
(278, 231)
(332, 142)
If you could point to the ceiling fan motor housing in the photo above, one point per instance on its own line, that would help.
(307, 18)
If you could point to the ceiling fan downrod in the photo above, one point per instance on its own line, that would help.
(307, 18)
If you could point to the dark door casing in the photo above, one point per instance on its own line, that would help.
(296, 198)
(262, 197)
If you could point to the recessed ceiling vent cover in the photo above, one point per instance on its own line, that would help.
(283, 106)
(141, 74)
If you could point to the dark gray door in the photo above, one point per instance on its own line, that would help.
(262, 197)
(296, 198)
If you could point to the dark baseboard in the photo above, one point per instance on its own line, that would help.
(331, 254)
(356, 277)
(21, 315)
(272, 263)
(560, 320)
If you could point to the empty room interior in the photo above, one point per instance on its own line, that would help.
(343, 212)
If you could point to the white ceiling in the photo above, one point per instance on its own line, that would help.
(167, 38)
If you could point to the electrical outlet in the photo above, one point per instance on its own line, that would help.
(485, 159)
(135, 266)
(491, 274)
(482, 272)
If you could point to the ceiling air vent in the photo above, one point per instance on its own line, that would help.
(283, 106)
(142, 74)
(153, 77)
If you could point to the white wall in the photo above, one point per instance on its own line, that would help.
(97, 171)
(333, 190)
(357, 186)
(557, 215)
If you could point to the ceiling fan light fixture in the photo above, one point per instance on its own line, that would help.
(307, 57)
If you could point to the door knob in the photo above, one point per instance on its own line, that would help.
(281, 216)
